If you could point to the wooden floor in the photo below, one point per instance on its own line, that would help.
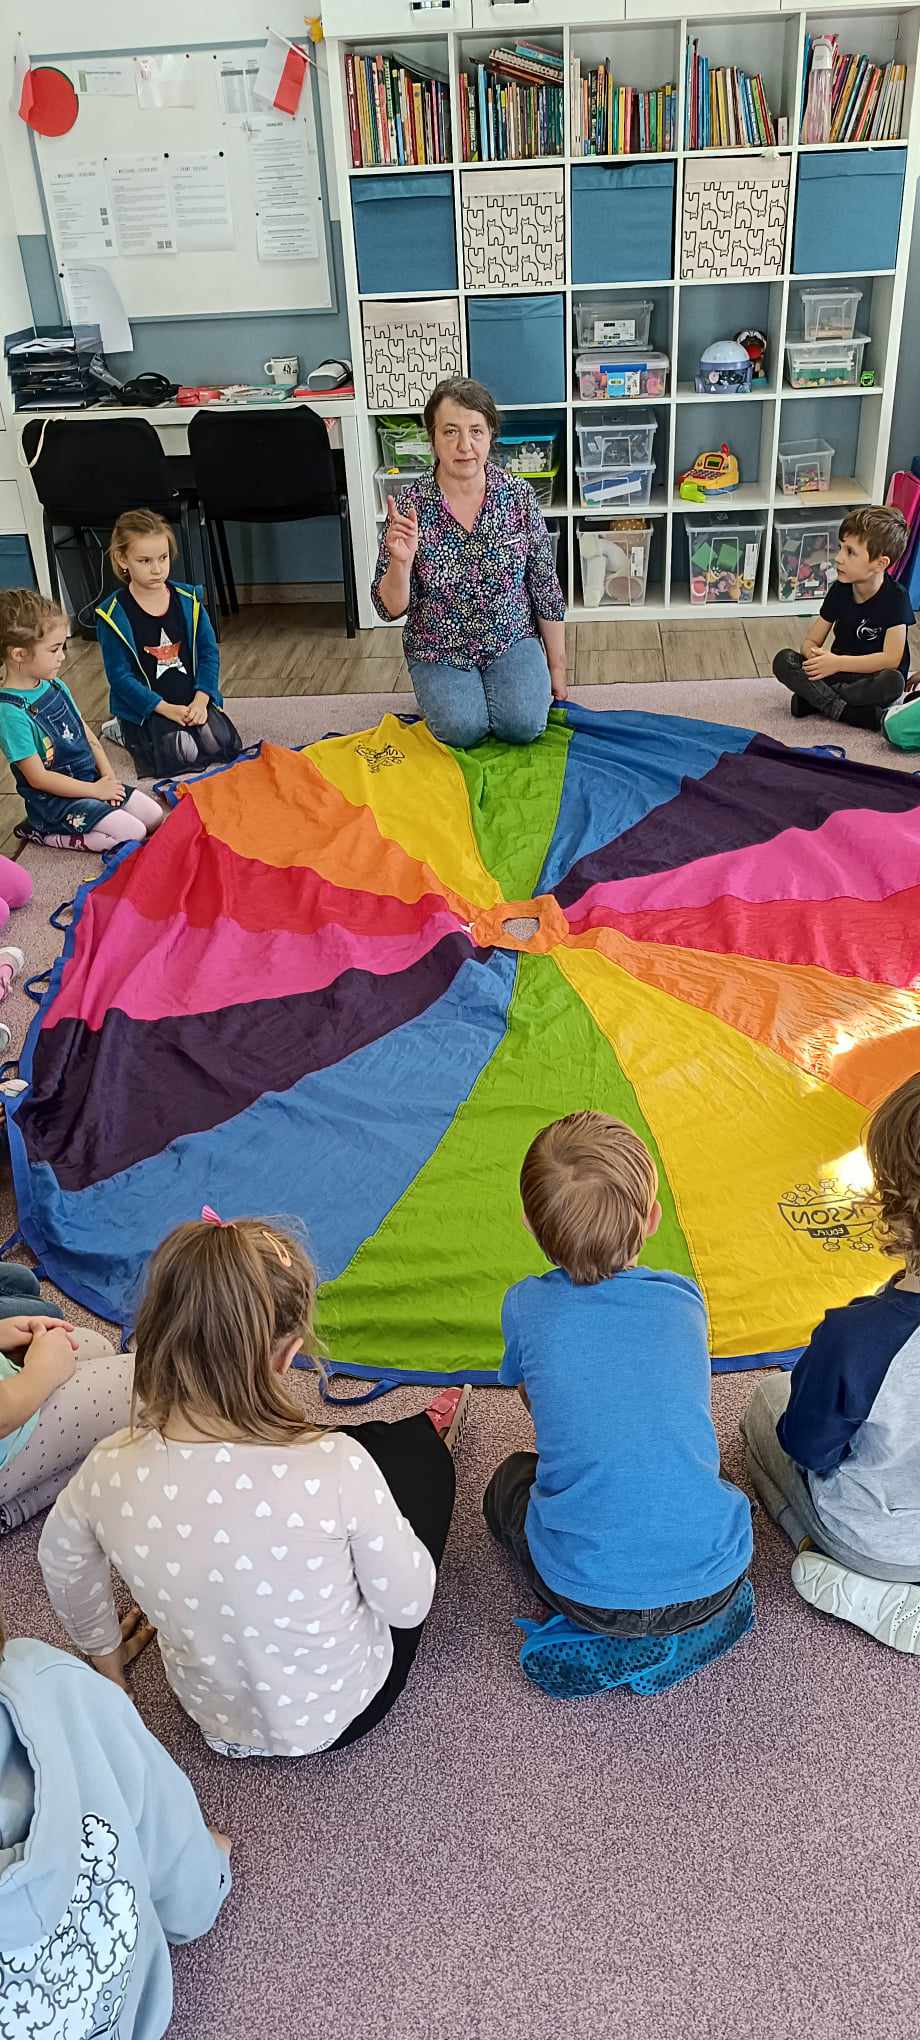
(301, 648)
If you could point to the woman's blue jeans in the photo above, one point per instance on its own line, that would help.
(508, 699)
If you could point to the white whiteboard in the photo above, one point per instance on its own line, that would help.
(203, 209)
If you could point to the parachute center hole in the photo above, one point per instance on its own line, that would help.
(522, 926)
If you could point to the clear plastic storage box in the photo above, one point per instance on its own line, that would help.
(723, 561)
(825, 364)
(829, 314)
(616, 442)
(544, 487)
(614, 563)
(404, 443)
(391, 482)
(806, 552)
(621, 372)
(804, 466)
(604, 488)
(526, 453)
(603, 322)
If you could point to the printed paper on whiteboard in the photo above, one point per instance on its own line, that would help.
(80, 206)
(201, 202)
(142, 205)
(105, 78)
(164, 81)
(237, 74)
(286, 225)
(92, 299)
(280, 78)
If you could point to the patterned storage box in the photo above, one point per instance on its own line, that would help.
(408, 348)
(513, 229)
(734, 217)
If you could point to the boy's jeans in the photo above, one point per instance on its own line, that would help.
(504, 1506)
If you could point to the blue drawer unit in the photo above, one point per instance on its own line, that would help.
(16, 570)
(517, 348)
(622, 223)
(848, 211)
(404, 233)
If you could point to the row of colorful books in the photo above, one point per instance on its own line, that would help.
(395, 115)
(726, 108)
(511, 105)
(619, 120)
(867, 99)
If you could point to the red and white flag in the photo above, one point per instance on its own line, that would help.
(23, 88)
(279, 82)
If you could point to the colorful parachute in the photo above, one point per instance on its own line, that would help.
(303, 997)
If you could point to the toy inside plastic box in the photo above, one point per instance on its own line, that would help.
(825, 364)
(616, 442)
(621, 372)
(804, 466)
(614, 562)
(829, 314)
(805, 559)
(604, 322)
(723, 561)
(404, 444)
(725, 369)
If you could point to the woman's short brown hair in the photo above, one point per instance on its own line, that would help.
(461, 389)
(219, 1301)
(893, 1148)
(138, 524)
(588, 1186)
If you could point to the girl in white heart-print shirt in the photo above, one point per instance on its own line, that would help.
(274, 1558)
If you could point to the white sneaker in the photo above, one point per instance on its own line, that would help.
(15, 957)
(889, 1610)
(112, 730)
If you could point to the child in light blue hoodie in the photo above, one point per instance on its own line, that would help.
(104, 1854)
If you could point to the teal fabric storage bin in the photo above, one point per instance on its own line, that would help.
(517, 348)
(16, 570)
(848, 211)
(622, 223)
(404, 233)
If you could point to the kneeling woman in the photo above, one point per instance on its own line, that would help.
(160, 657)
(465, 557)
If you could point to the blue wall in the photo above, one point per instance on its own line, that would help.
(905, 423)
(222, 351)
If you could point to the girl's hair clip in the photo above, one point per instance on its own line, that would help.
(210, 1217)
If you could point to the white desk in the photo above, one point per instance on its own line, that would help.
(171, 423)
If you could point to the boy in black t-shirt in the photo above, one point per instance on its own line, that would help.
(866, 671)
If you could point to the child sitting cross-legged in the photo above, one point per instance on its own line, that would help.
(73, 799)
(863, 672)
(833, 1449)
(288, 1587)
(620, 1520)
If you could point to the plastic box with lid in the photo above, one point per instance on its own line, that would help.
(604, 488)
(806, 552)
(614, 563)
(616, 442)
(392, 481)
(527, 453)
(404, 444)
(723, 561)
(829, 314)
(607, 322)
(618, 372)
(804, 466)
(825, 364)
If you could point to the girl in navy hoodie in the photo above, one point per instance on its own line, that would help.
(160, 656)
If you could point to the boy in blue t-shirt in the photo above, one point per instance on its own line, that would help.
(620, 1519)
(833, 1449)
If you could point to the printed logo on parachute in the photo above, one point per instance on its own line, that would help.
(376, 761)
(831, 1217)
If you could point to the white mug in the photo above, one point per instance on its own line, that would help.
(282, 368)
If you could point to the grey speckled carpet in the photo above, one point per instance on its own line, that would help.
(736, 1860)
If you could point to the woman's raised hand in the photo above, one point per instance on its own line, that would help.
(401, 535)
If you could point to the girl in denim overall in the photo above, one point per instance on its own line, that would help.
(72, 799)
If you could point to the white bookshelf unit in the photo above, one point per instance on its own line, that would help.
(646, 44)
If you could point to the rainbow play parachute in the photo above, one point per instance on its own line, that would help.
(302, 996)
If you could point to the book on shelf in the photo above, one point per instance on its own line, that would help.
(867, 99)
(511, 105)
(395, 116)
(619, 120)
(726, 108)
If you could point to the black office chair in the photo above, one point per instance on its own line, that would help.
(87, 473)
(265, 467)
